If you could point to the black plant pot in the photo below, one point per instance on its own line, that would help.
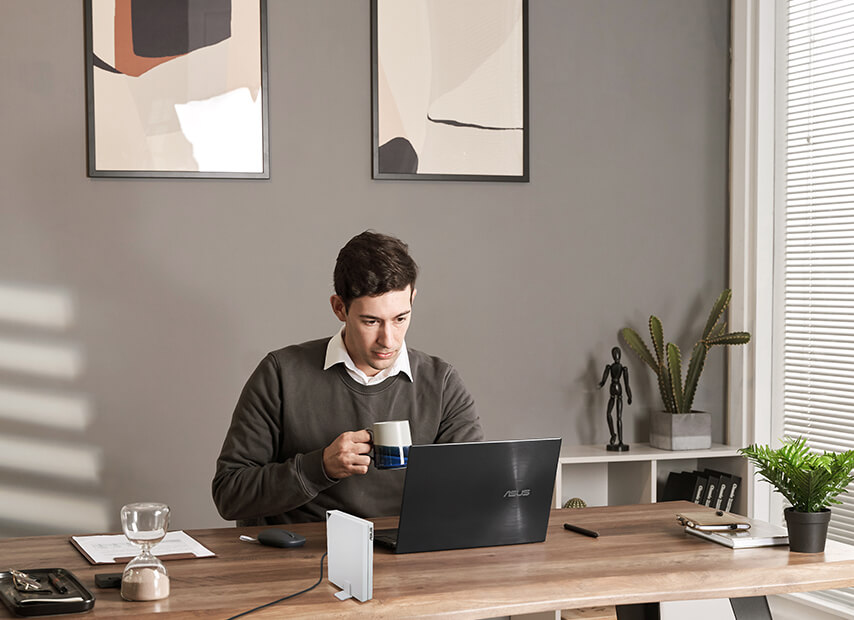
(807, 530)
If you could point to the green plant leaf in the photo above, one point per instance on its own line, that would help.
(717, 310)
(718, 330)
(656, 332)
(730, 338)
(674, 365)
(692, 376)
(639, 347)
(666, 391)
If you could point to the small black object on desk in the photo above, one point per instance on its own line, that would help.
(108, 580)
(580, 530)
(276, 537)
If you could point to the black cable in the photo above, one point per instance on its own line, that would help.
(284, 598)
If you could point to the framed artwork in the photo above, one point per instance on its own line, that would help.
(450, 90)
(177, 88)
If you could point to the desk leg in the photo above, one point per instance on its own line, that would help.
(640, 611)
(750, 608)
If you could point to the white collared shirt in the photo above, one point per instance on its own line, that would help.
(336, 353)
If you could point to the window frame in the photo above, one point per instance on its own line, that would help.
(755, 380)
(752, 157)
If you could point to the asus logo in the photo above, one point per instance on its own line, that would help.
(518, 493)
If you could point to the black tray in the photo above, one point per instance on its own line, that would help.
(77, 599)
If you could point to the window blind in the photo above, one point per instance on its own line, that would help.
(818, 236)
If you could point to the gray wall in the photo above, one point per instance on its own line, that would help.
(175, 289)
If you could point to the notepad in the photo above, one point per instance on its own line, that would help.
(709, 521)
(115, 548)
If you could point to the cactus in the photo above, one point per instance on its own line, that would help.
(666, 362)
(575, 502)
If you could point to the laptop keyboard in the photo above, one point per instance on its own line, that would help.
(386, 537)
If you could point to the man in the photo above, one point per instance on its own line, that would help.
(297, 445)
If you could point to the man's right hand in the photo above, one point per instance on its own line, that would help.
(347, 455)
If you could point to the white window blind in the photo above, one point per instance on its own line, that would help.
(818, 235)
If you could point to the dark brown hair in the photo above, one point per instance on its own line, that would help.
(373, 264)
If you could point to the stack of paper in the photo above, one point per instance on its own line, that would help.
(112, 548)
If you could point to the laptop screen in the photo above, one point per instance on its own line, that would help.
(462, 495)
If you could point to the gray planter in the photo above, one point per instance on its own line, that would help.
(680, 431)
(807, 530)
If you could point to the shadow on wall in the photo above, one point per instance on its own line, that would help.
(49, 477)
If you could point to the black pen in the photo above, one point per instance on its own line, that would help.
(581, 530)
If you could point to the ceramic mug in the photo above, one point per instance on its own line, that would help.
(391, 441)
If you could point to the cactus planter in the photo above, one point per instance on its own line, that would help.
(685, 431)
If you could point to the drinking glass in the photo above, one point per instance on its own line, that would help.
(145, 577)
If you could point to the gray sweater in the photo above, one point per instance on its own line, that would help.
(270, 468)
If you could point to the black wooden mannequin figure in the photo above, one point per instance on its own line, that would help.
(616, 372)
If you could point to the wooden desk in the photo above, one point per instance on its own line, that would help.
(642, 555)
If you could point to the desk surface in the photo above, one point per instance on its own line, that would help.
(642, 555)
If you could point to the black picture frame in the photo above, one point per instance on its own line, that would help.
(393, 158)
(116, 148)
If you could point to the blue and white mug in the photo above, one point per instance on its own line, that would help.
(391, 442)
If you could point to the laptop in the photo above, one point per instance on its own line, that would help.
(479, 494)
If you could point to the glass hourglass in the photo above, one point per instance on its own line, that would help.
(145, 577)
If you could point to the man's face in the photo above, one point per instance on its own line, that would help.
(374, 328)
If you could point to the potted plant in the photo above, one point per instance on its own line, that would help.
(688, 430)
(810, 482)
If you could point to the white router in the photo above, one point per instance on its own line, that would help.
(350, 550)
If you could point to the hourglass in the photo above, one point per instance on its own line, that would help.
(145, 578)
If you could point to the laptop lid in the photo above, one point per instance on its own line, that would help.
(479, 494)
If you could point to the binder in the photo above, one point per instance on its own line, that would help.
(701, 484)
(712, 489)
(736, 483)
(723, 491)
(723, 496)
(679, 485)
(709, 488)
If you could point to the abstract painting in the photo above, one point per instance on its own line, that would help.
(450, 90)
(177, 88)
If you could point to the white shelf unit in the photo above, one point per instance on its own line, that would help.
(637, 476)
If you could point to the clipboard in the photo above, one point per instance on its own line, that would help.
(115, 548)
(712, 521)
